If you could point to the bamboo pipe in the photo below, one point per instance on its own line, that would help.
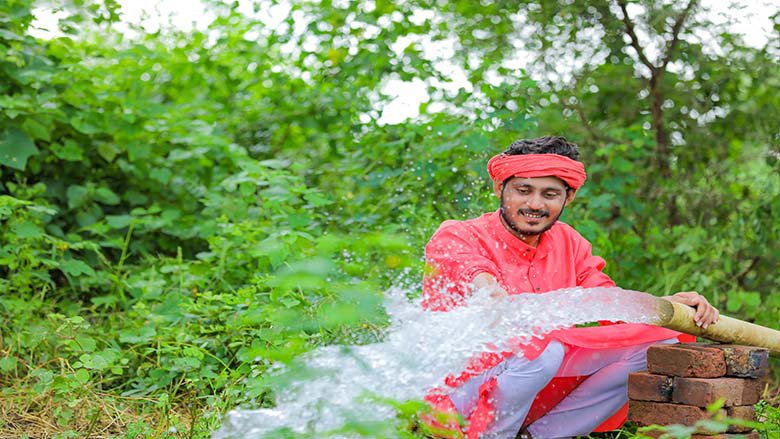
(679, 317)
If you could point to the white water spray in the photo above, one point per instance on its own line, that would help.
(420, 349)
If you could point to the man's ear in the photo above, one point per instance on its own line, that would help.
(570, 195)
(497, 186)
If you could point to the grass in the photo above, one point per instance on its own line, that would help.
(95, 415)
(87, 411)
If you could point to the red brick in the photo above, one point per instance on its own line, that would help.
(752, 435)
(644, 386)
(746, 412)
(702, 392)
(746, 361)
(686, 360)
(753, 389)
(645, 413)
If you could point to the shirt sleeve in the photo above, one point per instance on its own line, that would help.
(453, 258)
(589, 267)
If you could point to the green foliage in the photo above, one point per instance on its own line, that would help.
(181, 210)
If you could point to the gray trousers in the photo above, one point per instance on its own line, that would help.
(585, 408)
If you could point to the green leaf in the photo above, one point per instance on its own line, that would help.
(43, 209)
(734, 302)
(108, 151)
(16, 148)
(85, 125)
(36, 129)
(298, 220)
(71, 151)
(276, 251)
(622, 165)
(162, 175)
(186, 363)
(82, 376)
(141, 335)
(717, 405)
(76, 268)
(316, 199)
(7, 364)
(77, 196)
(138, 151)
(87, 344)
(247, 188)
(8, 35)
(44, 376)
(28, 230)
(676, 430)
(99, 360)
(275, 163)
(752, 300)
(104, 300)
(106, 196)
(119, 221)
(289, 302)
(712, 426)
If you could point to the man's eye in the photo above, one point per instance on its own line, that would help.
(552, 195)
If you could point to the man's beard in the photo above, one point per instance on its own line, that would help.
(511, 224)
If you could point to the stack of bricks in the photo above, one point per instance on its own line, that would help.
(682, 379)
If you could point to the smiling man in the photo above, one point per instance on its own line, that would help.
(571, 382)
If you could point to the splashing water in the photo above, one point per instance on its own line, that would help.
(420, 349)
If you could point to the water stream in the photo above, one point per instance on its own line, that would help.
(419, 350)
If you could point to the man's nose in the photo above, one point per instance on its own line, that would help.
(535, 202)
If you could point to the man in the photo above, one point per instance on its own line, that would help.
(571, 382)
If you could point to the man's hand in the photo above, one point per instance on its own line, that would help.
(485, 281)
(706, 314)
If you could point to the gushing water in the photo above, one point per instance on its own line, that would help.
(419, 350)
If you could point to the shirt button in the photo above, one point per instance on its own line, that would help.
(537, 288)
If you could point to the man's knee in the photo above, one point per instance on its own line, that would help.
(546, 364)
(552, 358)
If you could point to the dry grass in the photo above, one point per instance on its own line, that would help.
(771, 395)
(94, 416)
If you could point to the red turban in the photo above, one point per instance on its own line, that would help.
(503, 166)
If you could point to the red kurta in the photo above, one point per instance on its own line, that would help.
(459, 250)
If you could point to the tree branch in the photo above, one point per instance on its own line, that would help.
(741, 276)
(594, 135)
(634, 39)
(678, 22)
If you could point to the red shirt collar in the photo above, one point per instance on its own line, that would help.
(523, 250)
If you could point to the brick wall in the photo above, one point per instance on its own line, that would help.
(682, 379)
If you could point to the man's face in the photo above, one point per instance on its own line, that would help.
(532, 205)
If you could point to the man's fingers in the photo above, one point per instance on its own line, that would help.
(705, 313)
(690, 298)
(701, 310)
(711, 316)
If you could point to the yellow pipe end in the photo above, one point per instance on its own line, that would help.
(679, 317)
